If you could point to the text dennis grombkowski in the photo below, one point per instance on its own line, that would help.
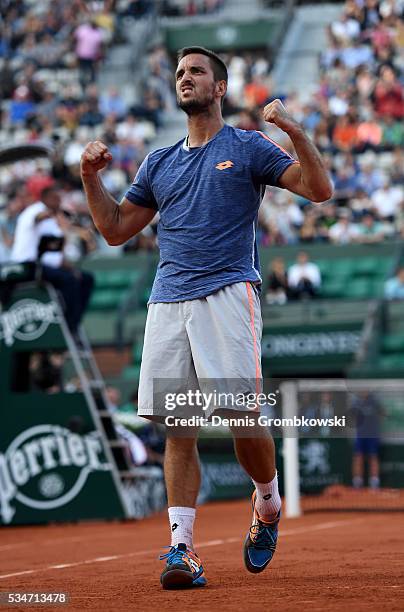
(249, 421)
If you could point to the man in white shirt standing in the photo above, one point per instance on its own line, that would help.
(36, 224)
(304, 277)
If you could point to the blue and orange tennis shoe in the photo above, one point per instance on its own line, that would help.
(260, 543)
(183, 569)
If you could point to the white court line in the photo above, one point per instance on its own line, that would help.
(211, 543)
(318, 527)
(73, 539)
(329, 525)
(20, 573)
(78, 563)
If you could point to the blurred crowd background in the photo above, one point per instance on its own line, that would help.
(50, 57)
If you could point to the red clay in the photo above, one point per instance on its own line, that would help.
(339, 561)
(339, 497)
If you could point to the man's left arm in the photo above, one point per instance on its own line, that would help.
(308, 178)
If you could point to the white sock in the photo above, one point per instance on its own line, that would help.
(268, 502)
(181, 525)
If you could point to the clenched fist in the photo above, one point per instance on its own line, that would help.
(95, 157)
(276, 113)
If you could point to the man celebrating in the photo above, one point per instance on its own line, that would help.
(204, 318)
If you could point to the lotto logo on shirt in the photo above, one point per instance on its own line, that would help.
(224, 165)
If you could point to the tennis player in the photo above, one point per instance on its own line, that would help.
(204, 319)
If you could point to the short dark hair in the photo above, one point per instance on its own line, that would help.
(217, 64)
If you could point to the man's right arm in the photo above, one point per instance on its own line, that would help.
(116, 222)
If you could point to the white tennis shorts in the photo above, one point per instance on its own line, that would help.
(211, 344)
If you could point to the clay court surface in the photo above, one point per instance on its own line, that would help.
(325, 561)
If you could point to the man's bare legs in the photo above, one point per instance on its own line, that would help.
(257, 456)
(182, 471)
(183, 479)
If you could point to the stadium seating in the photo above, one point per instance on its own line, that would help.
(111, 288)
(391, 356)
(352, 278)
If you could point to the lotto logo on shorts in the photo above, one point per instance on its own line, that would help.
(224, 165)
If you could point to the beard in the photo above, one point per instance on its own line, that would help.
(196, 105)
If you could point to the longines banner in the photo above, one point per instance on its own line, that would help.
(316, 349)
(311, 344)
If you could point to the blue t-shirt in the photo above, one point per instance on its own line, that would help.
(208, 199)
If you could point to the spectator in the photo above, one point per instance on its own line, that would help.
(369, 134)
(356, 55)
(112, 103)
(7, 80)
(387, 200)
(370, 231)
(345, 184)
(343, 231)
(293, 212)
(134, 131)
(360, 204)
(309, 232)
(278, 288)
(394, 287)
(369, 178)
(389, 95)
(345, 29)
(256, 92)
(19, 199)
(136, 450)
(367, 412)
(46, 372)
(89, 42)
(39, 238)
(21, 106)
(393, 134)
(151, 434)
(345, 134)
(326, 217)
(304, 277)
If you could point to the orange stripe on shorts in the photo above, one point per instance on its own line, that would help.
(254, 335)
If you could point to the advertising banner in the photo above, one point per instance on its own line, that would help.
(53, 461)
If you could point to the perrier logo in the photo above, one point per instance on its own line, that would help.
(46, 467)
(27, 320)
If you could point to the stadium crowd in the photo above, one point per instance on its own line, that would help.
(355, 117)
(49, 58)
